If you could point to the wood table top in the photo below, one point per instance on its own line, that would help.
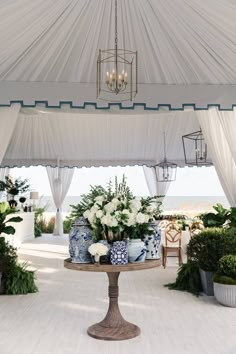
(110, 268)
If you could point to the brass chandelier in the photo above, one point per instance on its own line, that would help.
(117, 72)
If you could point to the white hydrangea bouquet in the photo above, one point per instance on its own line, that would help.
(117, 214)
(97, 250)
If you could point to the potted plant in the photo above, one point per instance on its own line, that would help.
(215, 219)
(7, 252)
(225, 281)
(13, 188)
(8, 258)
(206, 248)
(4, 212)
(14, 278)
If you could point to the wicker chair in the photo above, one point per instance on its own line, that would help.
(172, 242)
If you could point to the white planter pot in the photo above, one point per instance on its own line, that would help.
(225, 294)
(136, 251)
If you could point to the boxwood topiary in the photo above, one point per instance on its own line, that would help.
(226, 273)
(207, 247)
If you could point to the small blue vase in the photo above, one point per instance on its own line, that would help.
(80, 238)
(119, 253)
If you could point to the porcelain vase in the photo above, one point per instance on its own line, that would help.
(119, 253)
(136, 251)
(80, 238)
(153, 242)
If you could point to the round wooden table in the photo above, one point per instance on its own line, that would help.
(114, 326)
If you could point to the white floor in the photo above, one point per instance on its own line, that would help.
(54, 321)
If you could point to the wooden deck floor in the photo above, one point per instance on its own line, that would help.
(54, 321)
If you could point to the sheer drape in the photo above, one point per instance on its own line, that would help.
(228, 122)
(8, 119)
(4, 171)
(60, 181)
(220, 152)
(154, 187)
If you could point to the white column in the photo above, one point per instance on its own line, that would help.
(60, 181)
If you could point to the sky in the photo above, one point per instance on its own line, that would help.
(190, 181)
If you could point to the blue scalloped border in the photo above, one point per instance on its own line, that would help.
(119, 105)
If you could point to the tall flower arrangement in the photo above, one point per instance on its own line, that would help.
(115, 214)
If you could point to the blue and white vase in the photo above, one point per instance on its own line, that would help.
(136, 251)
(153, 242)
(80, 238)
(119, 253)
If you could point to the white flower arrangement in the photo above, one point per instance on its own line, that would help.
(97, 250)
(117, 214)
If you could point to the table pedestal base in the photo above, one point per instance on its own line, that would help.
(128, 331)
(113, 327)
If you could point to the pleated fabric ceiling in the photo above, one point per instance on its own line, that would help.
(186, 51)
(101, 139)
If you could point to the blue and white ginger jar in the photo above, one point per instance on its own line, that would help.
(153, 242)
(136, 251)
(80, 238)
(119, 253)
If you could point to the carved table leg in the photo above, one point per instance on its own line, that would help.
(113, 327)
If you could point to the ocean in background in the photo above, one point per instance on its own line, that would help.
(188, 205)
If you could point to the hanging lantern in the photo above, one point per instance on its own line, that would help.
(117, 72)
(165, 171)
(195, 149)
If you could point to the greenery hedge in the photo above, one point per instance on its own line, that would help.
(209, 246)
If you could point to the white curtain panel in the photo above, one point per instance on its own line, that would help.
(4, 171)
(155, 187)
(228, 122)
(8, 119)
(98, 138)
(60, 181)
(220, 152)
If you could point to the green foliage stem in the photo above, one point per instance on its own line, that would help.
(188, 279)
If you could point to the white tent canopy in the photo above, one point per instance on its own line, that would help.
(48, 54)
(186, 51)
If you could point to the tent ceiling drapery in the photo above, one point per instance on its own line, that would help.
(106, 139)
(186, 50)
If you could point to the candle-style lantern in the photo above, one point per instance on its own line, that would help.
(117, 72)
(195, 149)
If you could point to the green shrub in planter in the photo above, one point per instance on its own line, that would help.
(207, 247)
(226, 273)
(225, 281)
